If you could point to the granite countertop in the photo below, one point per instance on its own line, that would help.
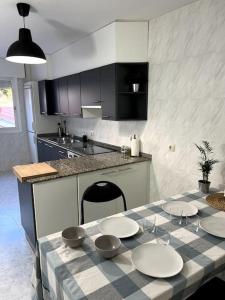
(75, 166)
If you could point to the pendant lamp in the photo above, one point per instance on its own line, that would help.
(25, 51)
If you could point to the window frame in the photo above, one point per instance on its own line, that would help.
(17, 114)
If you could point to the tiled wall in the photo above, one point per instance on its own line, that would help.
(186, 98)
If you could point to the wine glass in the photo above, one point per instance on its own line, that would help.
(162, 236)
(194, 222)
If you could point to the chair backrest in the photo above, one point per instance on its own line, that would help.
(101, 191)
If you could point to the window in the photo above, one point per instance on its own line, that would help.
(7, 107)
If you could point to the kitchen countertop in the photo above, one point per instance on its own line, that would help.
(75, 166)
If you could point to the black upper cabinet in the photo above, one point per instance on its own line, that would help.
(108, 92)
(42, 97)
(46, 96)
(131, 105)
(56, 97)
(67, 95)
(90, 87)
(110, 86)
(119, 101)
(63, 95)
(73, 89)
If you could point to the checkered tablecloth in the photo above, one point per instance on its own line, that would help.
(81, 274)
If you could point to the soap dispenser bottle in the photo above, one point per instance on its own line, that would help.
(134, 145)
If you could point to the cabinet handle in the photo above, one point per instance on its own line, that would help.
(106, 117)
(108, 173)
(58, 113)
(49, 146)
(43, 112)
(61, 152)
(126, 169)
(97, 101)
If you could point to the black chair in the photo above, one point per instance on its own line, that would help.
(101, 191)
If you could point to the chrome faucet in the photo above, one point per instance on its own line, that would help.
(59, 130)
(65, 128)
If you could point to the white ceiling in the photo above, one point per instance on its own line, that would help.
(57, 23)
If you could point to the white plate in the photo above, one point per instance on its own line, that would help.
(121, 227)
(214, 226)
(175, 207)
(157, 260)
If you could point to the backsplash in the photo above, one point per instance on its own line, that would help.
(117, 133)
(186, 98)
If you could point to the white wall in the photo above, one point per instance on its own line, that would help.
(39, 72)
(186, 98)
(13, 145)
(8, 69)
(186, 94)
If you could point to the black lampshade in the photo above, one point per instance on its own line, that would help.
(25, 51)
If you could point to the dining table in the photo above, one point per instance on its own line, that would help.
(80, 273)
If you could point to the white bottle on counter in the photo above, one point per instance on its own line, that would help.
(134, 145)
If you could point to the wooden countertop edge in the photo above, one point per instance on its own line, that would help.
(25, 178)
(16, 174)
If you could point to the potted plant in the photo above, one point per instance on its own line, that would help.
(206, 165)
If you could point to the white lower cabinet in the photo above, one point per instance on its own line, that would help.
(55, 205)
(133, 179)
(57, 202)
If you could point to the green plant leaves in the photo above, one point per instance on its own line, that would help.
(206, 164)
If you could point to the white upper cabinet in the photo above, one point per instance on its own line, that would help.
(117, 42)
(131, 41)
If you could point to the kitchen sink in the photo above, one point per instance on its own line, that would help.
(77, 146)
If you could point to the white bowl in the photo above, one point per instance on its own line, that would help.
(73, 236)
(107, 245)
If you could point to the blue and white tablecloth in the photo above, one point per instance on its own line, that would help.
(82, 274)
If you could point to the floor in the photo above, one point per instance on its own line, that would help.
(16, 256)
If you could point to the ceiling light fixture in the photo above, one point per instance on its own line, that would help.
(25, 51)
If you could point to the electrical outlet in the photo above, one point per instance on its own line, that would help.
(92, 133)
(172, 148)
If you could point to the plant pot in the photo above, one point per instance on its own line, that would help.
(204, 186)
